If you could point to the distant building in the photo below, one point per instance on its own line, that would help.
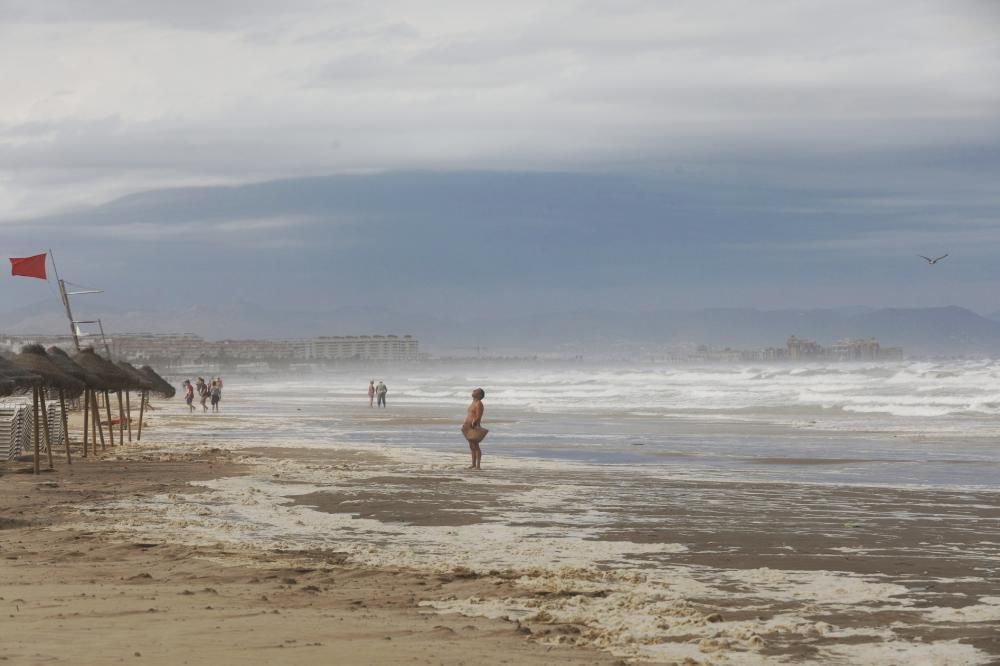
(364, 347)
(178, 347)
(799, 349)
(802, 349)
(190, 349)
(867, 349)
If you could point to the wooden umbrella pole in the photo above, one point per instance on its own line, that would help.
(45, 428)
(128, 414)
(65, 421)
(34, 429)
(121, 419)
(143, 396)
(86, 419)
(95, 421)
(111, 427)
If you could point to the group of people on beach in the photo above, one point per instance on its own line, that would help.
(205, 393)
(472, 428)
(377, 392)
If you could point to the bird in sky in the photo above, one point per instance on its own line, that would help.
(933, 261)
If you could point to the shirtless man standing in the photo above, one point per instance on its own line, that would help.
(472, 428)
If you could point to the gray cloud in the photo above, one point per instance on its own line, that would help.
(183, 14)
(148, 94)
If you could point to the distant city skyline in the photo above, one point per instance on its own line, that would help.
(460, 157)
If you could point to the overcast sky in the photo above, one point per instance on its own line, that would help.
(774, 154)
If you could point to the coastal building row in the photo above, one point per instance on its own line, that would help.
(190, 348)
(804, 349)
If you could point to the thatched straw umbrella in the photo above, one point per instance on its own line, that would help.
(112, 379)
(160, 385)
(91, 382)
(22, 379)
(7, 387)
(139, 383)
(34, 359)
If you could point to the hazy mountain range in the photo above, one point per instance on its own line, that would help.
(942, 330)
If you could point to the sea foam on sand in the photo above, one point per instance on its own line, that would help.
(622, 596)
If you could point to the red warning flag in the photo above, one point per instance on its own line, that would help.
(29, 266)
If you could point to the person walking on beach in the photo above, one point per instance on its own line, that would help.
(473, 429)
(203, 392)
(216, 394)
(380, 391)
(189, 394)
(371, 393)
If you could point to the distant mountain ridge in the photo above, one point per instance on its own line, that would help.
(920, 331)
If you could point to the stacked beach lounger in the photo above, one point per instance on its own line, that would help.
(54, 412)
(15, 428)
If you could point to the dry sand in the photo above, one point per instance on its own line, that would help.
(68, 596)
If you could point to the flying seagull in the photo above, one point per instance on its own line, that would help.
(933, 261)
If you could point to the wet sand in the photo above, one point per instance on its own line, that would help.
(938, 551)
(96, 597)
(430, 563)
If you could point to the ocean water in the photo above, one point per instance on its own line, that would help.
(918, 423)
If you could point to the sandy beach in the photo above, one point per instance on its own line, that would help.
(335, 533)
(95, 597)
(123, 593)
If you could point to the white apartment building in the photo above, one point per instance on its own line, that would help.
(363, 347)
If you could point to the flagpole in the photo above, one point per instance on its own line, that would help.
(65, 300)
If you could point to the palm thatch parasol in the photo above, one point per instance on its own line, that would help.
(22, 379)
(92, 382)
(71, 367)
(34, 359)
(160, 385)
(112, 379)
(139, 383)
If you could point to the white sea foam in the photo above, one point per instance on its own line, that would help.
(569, 572)
(988, 610)
(630, 598)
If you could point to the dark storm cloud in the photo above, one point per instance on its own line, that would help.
(607, 240)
